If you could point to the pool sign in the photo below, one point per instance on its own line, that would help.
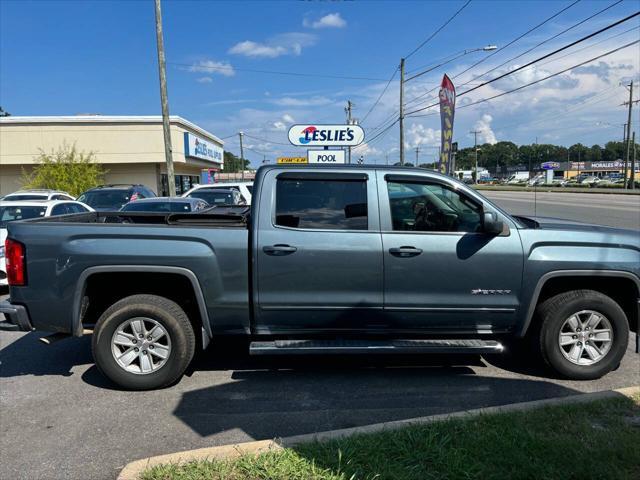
(326, 135)
(198, 147)
(326, 157)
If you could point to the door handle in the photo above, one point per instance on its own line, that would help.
(405, 252)
(279, 250)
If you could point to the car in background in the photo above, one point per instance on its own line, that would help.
(111, 198)
(37, 194)
(22, 210)
(166, 205)
(218, 196)
(245, 189)
(590, 180)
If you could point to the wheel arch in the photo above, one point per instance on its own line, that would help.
(604, 281)
(85, 278)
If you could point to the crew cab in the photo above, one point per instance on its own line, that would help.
(328, 259)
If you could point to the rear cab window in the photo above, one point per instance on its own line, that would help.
(322, 203)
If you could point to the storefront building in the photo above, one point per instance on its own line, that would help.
(130, 148)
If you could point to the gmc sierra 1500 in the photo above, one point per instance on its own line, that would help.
(350, 259)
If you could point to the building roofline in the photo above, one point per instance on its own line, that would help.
(148, 119)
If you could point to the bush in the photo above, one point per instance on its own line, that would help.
(65, 169)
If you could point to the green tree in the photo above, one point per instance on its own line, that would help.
(66, 169)
(233, 164)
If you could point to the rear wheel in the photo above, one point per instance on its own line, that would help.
(583, 334)
(143, 342)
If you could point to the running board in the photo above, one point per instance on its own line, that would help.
(324, 347)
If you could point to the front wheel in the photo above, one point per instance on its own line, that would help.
(143, 342)
(583, 334)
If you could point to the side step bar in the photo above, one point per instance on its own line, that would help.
(324, 347)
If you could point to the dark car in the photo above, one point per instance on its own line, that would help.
(166, 205)
(218, 196)
(111, 198)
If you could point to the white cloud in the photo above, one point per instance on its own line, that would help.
(283, 44)
(288, 118)
(213, 68)
(204, 80)
(332, 20)
(280, 126)
(484, 127)
(420, 135)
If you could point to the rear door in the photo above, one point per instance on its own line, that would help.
(318, 252)
(442, 273)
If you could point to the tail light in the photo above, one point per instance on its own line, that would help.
(16, 263)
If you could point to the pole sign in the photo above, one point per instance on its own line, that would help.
(550, 165)
(291, 160)
(326, 135)
(326, 156)
(447, 111)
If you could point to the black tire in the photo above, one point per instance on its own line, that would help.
(552, 314)
(173, 320)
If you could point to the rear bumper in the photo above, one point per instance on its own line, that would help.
(17, 318)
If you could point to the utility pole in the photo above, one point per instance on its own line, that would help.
(387, 157)
(166, 127)
(241, 134)
(628, 155)
(417, 153)
(633, 162)
(475, 147)
(402, 111)
(348, 112)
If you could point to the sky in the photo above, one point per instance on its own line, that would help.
(99, 57)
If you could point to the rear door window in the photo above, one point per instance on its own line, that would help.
(322, 204)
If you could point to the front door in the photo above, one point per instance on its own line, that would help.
(319, 253)
(442, 273)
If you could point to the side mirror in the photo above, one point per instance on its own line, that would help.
(490, 223)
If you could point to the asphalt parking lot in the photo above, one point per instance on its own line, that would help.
(59, 418)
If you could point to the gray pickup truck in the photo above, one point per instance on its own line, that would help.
(328, 260)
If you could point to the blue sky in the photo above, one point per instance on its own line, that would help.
(70, 57)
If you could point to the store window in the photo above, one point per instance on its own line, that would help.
(183, 183)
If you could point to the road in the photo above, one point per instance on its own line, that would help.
(59, 418)
(605, 209)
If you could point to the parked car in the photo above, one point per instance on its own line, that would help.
(166, 205)
(21, 210)
(37, 194)
(218, 196)
(111, 198)
(350, 260)
(245, 189)
(590, 180)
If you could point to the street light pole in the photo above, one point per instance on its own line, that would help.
(241, 134)
(475, 147)
(166, 127)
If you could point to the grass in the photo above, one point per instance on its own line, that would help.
(593, 440)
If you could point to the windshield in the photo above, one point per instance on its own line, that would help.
(107, 199)
(11, 213)
(157, 207)
(214, 197)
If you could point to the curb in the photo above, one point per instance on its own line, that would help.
(132, 470)
(544, 189)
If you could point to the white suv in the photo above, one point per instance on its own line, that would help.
(21, 210)
(245, 189)
(37, 194)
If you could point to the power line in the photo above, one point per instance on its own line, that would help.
(272, 72)
(511, 72)
(381, 95)
(487, 57)
(552, 75)
(543, 42)
(438, 30)
(379, 134)
(266, 140)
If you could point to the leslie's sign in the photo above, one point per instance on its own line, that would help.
(326, 135)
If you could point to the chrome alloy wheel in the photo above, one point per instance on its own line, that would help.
(585, 337)
(141, 345)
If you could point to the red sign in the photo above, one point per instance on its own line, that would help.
(447, 111)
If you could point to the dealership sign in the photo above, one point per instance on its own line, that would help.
(326, 135)
(550, 165)
(326, 156)
(197, 147)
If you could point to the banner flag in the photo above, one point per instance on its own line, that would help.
(447, 111)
